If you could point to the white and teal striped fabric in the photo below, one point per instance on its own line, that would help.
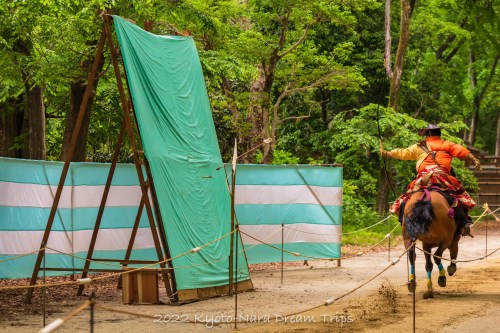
(307, 200)
(27, 189)
(297, 205)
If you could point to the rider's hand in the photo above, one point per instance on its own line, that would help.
(475, 161)
(383, 153)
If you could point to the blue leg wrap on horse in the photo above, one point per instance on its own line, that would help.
(440, 266)
(412, 269)
(429, 275)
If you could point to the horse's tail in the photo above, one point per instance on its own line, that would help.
(419, 219)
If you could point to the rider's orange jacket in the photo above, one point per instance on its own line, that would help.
(445, 151)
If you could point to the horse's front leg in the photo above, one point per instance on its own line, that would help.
(428, 268)
(452, 268)
(412, 282)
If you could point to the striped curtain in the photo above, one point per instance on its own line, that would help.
(297, 208)
(294, 207)
(27, 190)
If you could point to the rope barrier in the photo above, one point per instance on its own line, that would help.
(455, 260)
(194, 250)
(342, 233)
(117, 265)
(23, 255)
(490, 212)
(487, 211)
(88, 280)
(60, 321)
(486, 208)
(332, 300)
(325, 303)
(320, 258)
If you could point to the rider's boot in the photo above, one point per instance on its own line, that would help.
(464, 222)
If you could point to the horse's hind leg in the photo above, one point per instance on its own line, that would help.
(452, 268)
(412, 282)
(428, 267)
(437, 259)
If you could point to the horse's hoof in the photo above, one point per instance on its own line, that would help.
(442, 281)
(452, 269)
(412, 285)
(428, 294)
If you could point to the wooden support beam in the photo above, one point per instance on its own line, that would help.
(100, 213)
(132, 236)
(71, 150)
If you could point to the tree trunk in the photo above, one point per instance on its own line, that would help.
(475, 100)
(77, 92)
(11, 122)
(254, 116)
(395, 76)
(383, 192)
(497, 146)
(478, 95)
(36, 123)
(259, 109)
(34, 116)
(404, 38)
(323, 103)
(388, 40)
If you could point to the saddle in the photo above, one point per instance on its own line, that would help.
(456, 211)
(447, 194)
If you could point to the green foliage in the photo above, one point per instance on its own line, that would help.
(357, 212)
(284, 157)
(340, 120)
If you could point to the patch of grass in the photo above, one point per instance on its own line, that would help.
(371, 236)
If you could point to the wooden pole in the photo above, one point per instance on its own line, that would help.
(236, 281)
(233, 217)
(282, 249)
(389, 249)
(100, 213)
(231, 245)
(486, 240)
(161, 227)
(71, 150)
(44, 291)
(132, 238)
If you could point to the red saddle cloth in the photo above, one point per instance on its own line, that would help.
(433, 177)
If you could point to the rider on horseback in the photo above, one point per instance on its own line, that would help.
(433, 156)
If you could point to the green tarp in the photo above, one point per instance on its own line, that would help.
(178, 135)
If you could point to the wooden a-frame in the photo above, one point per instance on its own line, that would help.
(158, 232)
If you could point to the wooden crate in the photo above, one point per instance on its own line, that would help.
(140, 287)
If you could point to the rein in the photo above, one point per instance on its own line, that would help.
(426, 196)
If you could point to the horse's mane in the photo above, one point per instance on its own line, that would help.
(417, 222)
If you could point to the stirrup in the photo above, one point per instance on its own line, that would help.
(466, 230)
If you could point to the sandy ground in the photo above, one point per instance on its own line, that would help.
(470, 302)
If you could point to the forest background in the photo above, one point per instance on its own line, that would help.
(325, 80)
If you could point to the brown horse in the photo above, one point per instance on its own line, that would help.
(426, 219)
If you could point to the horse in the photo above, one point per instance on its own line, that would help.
(427, 219)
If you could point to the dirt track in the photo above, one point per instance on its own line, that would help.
(470, 302)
